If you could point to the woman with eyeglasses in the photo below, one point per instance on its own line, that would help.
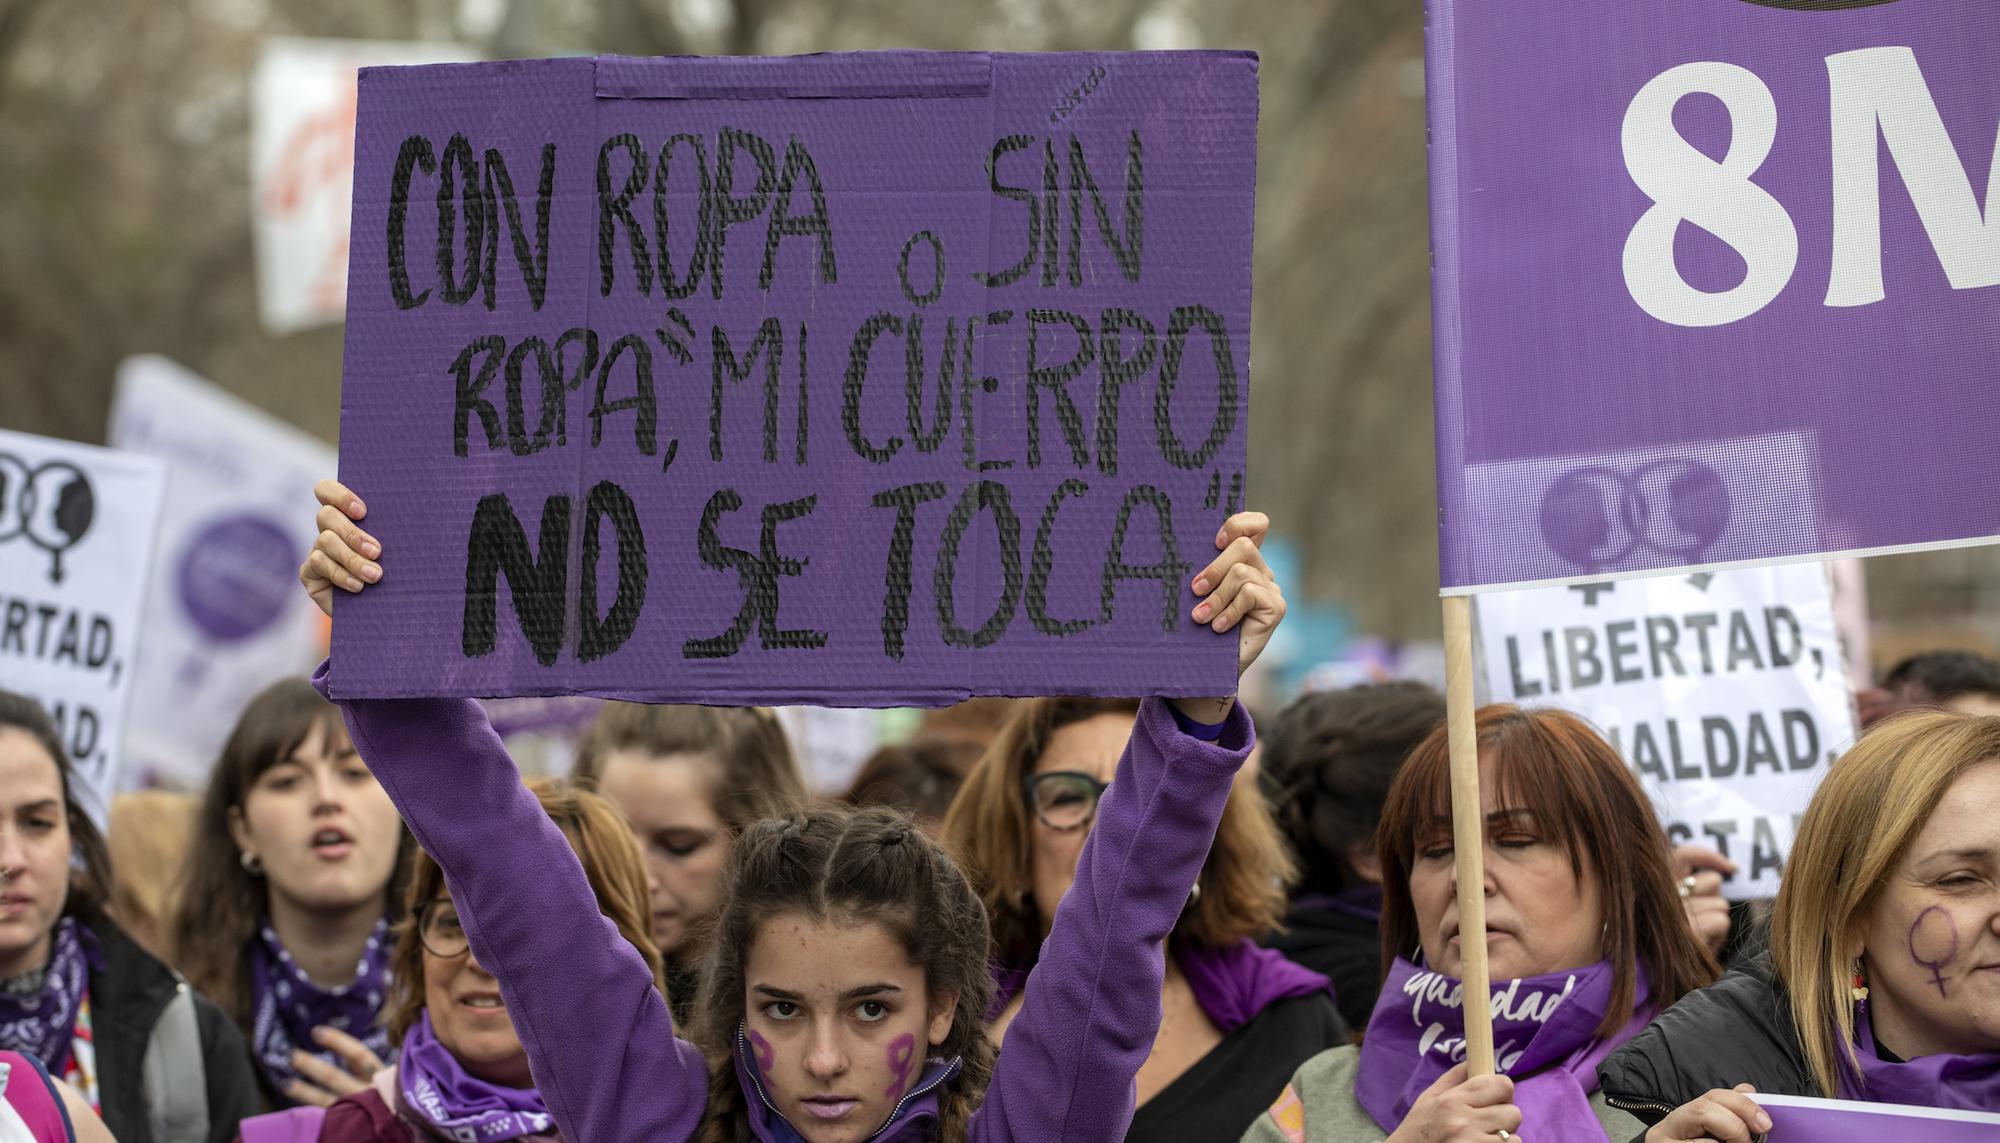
(462, 1072)
(1236, 1019)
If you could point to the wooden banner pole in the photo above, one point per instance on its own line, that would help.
(1468, 833)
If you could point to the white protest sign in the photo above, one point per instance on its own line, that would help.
(302, 169)
(1726, 692)
(76, 532)
(830, 743)
(224, 616)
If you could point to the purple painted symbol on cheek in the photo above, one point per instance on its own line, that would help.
(767, 1056)
(1939, 937)
(902, 1058)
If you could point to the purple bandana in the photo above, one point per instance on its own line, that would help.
(287, 1005)
(1544, 1036)
(42, 1024)
(1233, 984)
(456, 1105)
(1963, 1083)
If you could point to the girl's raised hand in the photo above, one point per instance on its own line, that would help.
(1238, 589)
(1238, 593)
(343, 556)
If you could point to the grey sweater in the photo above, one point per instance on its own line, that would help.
(1325, 1088)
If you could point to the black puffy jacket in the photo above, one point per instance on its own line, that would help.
(1737, 1030)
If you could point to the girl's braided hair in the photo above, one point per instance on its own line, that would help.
(846, 864)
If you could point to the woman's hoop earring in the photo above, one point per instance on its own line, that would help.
(251, 863)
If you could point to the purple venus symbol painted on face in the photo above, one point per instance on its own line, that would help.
(1934, 943)
(902, 1058)
(767, 1057)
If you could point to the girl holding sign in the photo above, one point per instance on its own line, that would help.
(1883, 981)
(847, 984)
(1585, 935)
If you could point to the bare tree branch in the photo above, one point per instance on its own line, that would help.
(14, 18)
(747, 21)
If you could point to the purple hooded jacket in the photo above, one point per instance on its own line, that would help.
(598, 1035)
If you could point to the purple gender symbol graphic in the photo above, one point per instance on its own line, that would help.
(902, 1057)
(1934, 937)
(237, 576)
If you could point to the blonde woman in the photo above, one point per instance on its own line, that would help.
(1883, 982)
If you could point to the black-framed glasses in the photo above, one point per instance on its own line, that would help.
(1064, 799)
(438, 929)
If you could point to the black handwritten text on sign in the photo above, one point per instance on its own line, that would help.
(882, 378)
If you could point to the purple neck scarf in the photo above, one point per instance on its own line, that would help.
(1544, 1036)
(1233, 984)
(1963, 1083)
(455, 1105)
(42, 1023)
(287, 1005)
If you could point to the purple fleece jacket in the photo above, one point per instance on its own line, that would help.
(599, 1038)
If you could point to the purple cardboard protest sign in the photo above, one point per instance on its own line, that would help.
(850, 379)
(1800, 1119)
(1717, 282)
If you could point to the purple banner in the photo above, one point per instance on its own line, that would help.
(878, 378)
(1717, 282)
(1799, 1119)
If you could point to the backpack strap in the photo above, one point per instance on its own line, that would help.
(176, 1074)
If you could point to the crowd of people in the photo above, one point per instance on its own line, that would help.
(1062, 919)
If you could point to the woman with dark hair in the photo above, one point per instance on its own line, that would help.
(288, 895)
(919, 777)
(1328, 763)
(1586, 941)
(689, 779)
(1237, 1018)
(157, 1061)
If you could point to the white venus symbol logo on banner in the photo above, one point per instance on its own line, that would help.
(51, 506)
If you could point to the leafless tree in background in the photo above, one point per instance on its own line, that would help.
(125, 226)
